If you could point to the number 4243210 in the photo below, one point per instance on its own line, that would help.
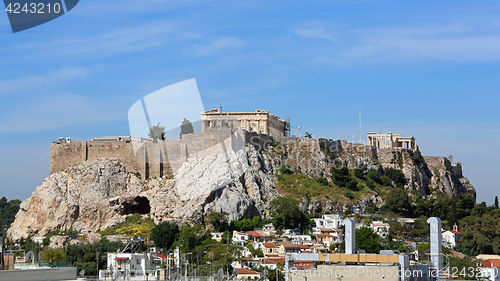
(38, 8)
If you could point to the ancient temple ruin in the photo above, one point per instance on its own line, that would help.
(390, 140)
(260, 121)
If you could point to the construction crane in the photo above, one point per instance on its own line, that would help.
(296, 131)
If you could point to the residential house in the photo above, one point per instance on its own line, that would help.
(381, 228)
(490, 269)
(269, 249)
(269, 229)
(250, 262)
(305, 248)
(288, 248)
(246, 274)
(328, 221)
(300, 239)
(271, 263)
(137, 263)
(325, 239)
(328, 236)
(258, 235)
(240, 238)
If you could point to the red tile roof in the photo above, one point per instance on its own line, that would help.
(246, 271)
(121, 259)
(257, 233)
(269, 245)
(273, 260)
(455, 232)
(161, 256)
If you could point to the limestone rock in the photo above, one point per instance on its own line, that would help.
(77, 198)
(58, 241)
(92, 237)
(240, 180)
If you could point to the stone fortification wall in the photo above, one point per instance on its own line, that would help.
(64, 155)
(138, 155)
(445, 164)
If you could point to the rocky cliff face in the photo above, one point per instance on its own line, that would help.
(241, 182)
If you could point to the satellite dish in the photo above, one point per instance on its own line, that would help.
(82, 273)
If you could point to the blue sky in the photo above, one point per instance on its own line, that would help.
(418, 68)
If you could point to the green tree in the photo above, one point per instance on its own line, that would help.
(271, 274)
(359, 173)
(287, 214)
(52, 255)
(452, 216)
(186, 128)
(340, 175)
(191, 237)
(368, 240)
(84, 256)
(164, 234)
(373, 175)
(8, 211)
(322, 181)
(396, 176)
(496, 202)
(219, 221)
(398, 200)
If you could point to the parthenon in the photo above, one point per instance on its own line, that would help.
(260, 121)
(389, 140)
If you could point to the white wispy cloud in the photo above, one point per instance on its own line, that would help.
(35, 82)
(317, 29)
(441, 42)
(222, 43)
(448, 42)
(124, 40)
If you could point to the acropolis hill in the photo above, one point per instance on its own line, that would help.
(96, 184)
(155, 160)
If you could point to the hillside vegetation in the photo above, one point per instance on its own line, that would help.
(8, 211)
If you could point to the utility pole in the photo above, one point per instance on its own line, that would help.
(227, 251)
(97, 263)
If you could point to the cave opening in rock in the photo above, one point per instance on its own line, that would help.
(139, 205)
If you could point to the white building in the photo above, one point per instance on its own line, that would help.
(131, 264)
(328, 221)
(381, 228)
(240, 238)
(450, 237)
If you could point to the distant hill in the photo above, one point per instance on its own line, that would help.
(8, 211)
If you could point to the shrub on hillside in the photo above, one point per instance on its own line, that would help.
(285, 169)
(396, 176)
(322, 181)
